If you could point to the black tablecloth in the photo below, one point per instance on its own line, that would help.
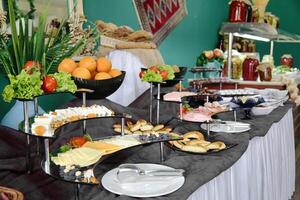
(199, 168)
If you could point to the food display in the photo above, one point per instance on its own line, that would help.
(194, 141)
(82, 156)
(176, 96)
(77, 174)
(203, 113)
(142, 127)
(89, 68)
(45, 125)
(28, 85)
(158, 73)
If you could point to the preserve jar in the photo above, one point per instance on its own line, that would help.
(249, 13)
(287, 59)
(265, 71)
(237, 11)
(249, 68)
(237, 67)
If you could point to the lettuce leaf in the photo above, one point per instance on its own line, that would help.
(23, 86)
(170, 71)
(64, 82)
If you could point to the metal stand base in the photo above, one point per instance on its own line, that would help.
(151, 102)
(158, 101)
(77, 191)
(162, 156)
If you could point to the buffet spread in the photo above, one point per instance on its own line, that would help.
(196, 133)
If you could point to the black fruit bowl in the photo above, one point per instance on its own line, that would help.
(178, 76)
(102, 88)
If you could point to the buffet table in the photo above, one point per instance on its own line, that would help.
(260, 166)
(265, 171)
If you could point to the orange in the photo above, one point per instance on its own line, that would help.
(115, 72)
(103, 65)
(67, 65)
(102, 76)
(82, 72)
(88, 63)
(93, 74)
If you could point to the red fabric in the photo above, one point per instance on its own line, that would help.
(160, 16)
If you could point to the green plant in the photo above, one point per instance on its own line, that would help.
(210, 56)
(48, 51)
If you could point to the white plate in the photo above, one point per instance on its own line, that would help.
(144, 188)
(229, 127)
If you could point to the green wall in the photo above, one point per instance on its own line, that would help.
(195, 33)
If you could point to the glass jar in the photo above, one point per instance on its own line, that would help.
(249, 13)
(265, 71)
(237, 67)
(287, 59)
(237, 11)
(249, 68)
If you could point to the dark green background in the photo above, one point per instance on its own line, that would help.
(195, 33)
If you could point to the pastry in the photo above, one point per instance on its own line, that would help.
(196, 149)
(147, 127)
(194, 135)
(158, 127)
(135, 127)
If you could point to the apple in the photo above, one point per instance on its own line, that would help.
(49, 84)
(30, 66)
(218, 53)
(209, 54)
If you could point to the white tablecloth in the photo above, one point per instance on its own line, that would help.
(132, 86)
(266, 171)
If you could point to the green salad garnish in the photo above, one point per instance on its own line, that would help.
(23, 86)
(170, 71)
(64, 82)
(152, 76)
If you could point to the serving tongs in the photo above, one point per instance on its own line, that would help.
(128, 173)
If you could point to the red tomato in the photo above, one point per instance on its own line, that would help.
(164, 74)
(142, 73)
(154, 68)
(49, 84)
(30, 65)
(77, 141)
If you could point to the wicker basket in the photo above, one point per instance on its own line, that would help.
(11, 194)
(109, 42)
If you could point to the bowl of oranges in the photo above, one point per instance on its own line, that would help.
(95, 74)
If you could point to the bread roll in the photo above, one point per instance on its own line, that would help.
(147, 127)
(140, 35)
(194, 135)
(142, 122)
(158, 127)
(196, 149)
(135, 127)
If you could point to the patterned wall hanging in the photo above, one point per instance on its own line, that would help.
(160, 16)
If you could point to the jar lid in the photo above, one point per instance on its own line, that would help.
(286, 56)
